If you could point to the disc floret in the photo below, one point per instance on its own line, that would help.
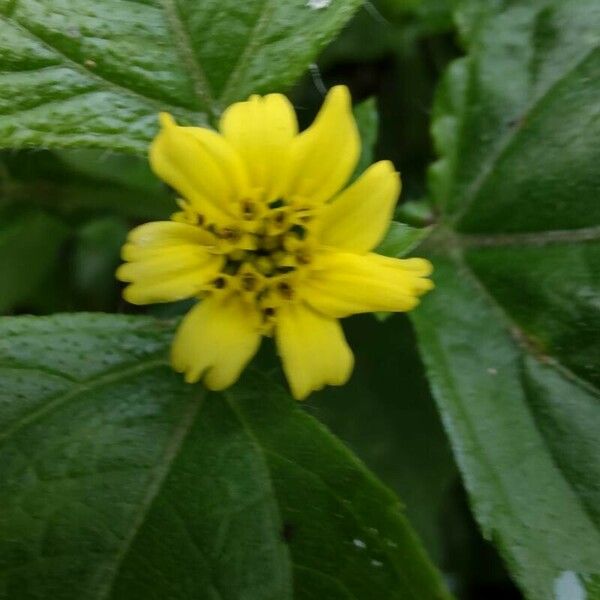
(262, 254)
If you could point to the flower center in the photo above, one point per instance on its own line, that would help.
(263, 251)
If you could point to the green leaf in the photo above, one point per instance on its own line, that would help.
(96, 257)
(416, 213)
(96, 73)
(121, 481)
(399, 436)
(30, 243)
(367, 120)
(401, 239)
(426, 16)
(510, 334)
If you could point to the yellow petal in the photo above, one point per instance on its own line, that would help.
(216, 340)
(323, 157)
(261, 130)
(341, 284)
(359, 217)
(162, 233)
(202, 166)
(167, 261)
(171, 287)
(313, 349)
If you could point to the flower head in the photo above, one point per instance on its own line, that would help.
(269, 242)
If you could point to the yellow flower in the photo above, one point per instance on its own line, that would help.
(269, 242)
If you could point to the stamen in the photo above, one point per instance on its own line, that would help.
(220, 283)
(299, 230)
(248, 210)
(232, 235)
(232, 267)
(285, 290)
(302, 257)
(273, 248)
(277, 221)
(248, 282)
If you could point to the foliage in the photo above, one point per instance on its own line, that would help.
(138, 485)
(85, 73)
(511, 337)
(120, 481)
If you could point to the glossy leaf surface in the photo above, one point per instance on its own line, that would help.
(510, 336)
(120, 481)
(78, 73)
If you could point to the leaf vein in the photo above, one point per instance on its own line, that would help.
(263, 454)
(76, 391)
(158, 103)
(341, 586)
(554, 364)
(510, 137)
(199, 551)
(535, 238)
(253, 40)
(184, 46)
(157, 478)
(480, 450)
(356, 516)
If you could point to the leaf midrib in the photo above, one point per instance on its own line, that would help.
(445, 241)
(399, 572)
(159, 473)
(257, 29)
(271, 489)
(535, 238)
(562, 370)
(482, 455)
(441, 238)
(520, 336)
(502, 490)
(352, 459)
(74, 392)
(159, 103)
(189, 57)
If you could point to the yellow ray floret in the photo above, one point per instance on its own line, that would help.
(269, 242)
